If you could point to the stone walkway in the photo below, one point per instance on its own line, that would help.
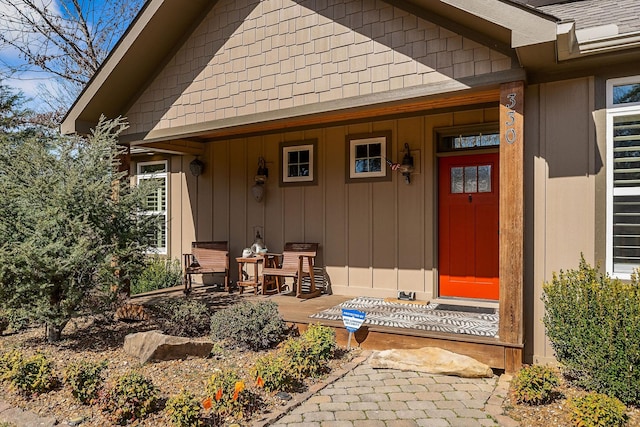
(368, 397)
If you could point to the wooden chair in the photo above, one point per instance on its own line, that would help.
(296, 261)
(205, 258)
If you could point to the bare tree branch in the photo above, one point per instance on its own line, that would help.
(66, 39)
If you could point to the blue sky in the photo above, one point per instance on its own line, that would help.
(32, 80)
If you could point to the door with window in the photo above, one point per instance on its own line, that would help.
(468, 225)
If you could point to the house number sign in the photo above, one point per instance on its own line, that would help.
(510, 133)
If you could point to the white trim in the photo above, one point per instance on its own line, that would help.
(162, 175)
(613, 111)
(619, 82)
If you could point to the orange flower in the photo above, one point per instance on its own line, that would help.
(207, 403)
(238, 388)
(260, 382)
(218, 394)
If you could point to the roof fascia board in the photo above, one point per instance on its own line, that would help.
(591, 41)
(142, 19)
(526, 26)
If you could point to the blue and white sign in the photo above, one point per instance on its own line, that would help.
(352, 319)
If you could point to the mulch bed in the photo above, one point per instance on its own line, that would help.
(94, 339)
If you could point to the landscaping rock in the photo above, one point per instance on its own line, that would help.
(156, 346)
(431, 360)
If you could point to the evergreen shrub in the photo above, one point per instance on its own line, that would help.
(183, 317)
(597, 410)
(85, 379)
(184, 410)
(535, 385)
(33, 375)
(592, 322)
(132, 398)
(248, 325)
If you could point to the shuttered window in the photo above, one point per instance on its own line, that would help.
(623, 163)
(156, 202)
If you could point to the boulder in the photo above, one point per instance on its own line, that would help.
(431, 360)
(155, 346)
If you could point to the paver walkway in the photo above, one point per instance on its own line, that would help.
(368, 397)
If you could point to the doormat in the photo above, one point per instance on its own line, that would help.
(466, 309)
(416, 316)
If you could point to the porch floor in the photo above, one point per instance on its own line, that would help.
(487, 349)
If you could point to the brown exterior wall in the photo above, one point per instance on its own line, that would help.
(562, 163)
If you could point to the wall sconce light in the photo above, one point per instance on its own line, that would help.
(260, 179)
(406, 167)
(196, 167)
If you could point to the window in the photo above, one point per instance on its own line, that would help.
(368, 157)
(156, 202)
(298, 163)
(468, 138)
(623, 176)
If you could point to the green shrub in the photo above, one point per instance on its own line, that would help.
(183, 317)
(592, 323)
(597, 410)
(322, 340)
(131, 399)
(227, 394)
(33, 375)
(247, 325)
(8, 360)
(85, 380)
(4, 321)
(298, 358)
(535, 385)
(184, 410)
(158, 273)
(273, 372)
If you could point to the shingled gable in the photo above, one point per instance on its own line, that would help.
(189, 70)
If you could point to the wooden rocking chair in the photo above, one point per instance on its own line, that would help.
(206, 258)
(296, 261)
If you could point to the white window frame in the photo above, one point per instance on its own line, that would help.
(140, 176)
(613, 111)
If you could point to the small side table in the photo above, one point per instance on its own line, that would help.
(255, 280)
(251, 280)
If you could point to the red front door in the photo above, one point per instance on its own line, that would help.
(468, 226)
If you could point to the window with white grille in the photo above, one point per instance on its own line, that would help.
(156, 202)
(623, 176)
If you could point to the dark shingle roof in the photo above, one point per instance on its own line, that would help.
(593, 13)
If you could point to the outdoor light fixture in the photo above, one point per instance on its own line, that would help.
(406, 167)
(196, 167)
(260, 179)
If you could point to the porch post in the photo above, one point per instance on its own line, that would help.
(511, 327)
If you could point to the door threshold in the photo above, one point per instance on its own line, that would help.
(466, 302)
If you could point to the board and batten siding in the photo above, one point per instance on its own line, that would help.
(375, 238)
(562, 165)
